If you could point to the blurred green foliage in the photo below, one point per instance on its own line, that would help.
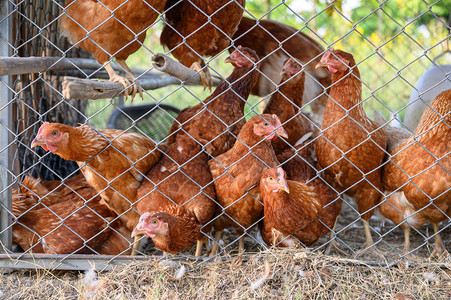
(394, 42)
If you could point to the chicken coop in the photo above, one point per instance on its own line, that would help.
(211, 130)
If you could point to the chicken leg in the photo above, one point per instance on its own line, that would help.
(216, 243)
(439, 249)
(204, 74)
(241, 246)
(200, 245)
(126, 81)
(369, 247)
(135, 244)
(333, 243)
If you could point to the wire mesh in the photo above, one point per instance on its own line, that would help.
(166, 158)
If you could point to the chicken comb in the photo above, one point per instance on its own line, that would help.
(280, 173)
(42, 127)
(277, 121)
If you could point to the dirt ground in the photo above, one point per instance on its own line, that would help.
(262, 273)
(272, 274)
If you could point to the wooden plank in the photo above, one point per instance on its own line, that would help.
(28, 65)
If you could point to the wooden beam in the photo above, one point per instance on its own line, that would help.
(28, 65)
(171, 67)
(77, 88)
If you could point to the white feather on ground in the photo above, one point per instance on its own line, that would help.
(257, 283)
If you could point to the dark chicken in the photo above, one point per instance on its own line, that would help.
(196, 28)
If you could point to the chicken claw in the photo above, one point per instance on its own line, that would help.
(128, 82)
(439, 249)
(204, 74)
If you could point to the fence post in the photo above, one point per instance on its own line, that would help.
(5, 137)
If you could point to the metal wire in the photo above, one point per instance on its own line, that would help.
(35, 98)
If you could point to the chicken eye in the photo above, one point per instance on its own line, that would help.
(266, 124)
(154, 222)
(270, 178)
(54, 133)
(296, 67)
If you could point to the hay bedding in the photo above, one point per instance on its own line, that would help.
(280, 273)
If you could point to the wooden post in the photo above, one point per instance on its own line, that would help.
(5, 137)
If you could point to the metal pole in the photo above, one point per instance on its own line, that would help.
(5, 137)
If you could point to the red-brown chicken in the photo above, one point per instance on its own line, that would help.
(299, 165)
(113, 162)
(417, 175)
(113, 28)
(219, 118)
(237, 175)
(350, 149)
(274, 43)
(69, 219)
(197, 28)
(180, 194)
(286, 104)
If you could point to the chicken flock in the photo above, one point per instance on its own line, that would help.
(284, 171)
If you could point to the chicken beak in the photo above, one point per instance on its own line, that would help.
(138, 231)
(284, 186)
(38, 141)
(284, 72)
(228, 60)
(321, 64)
(281, 132)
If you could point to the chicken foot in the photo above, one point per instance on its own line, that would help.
(204, 74)
(369, 247)
(130, 84)
(333, 243)
(439, 248)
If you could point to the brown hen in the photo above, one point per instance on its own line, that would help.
(179, 185)
(286, 104)
(113, 162)
(274, 43)
(237, 175)
(350, 148)
(292, 210)
(219, 118)
(299, 165)
(417, 177)
(113, 28)
(197, 28)
(70, 219)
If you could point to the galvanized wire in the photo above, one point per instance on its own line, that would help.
(36, 98)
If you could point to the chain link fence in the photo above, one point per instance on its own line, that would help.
(59, 221)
